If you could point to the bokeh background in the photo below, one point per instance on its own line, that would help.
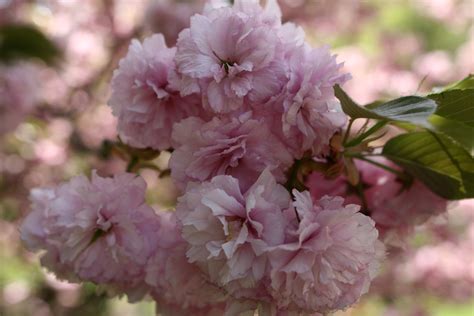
(57, 58)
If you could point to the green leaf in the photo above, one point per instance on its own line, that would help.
(456, 105)
(25, 41)
(461, 133)
(411, 109)
(374, 104)
(434, 159)
(455, 114)
(143, 154)
(466, 83)
(360, 138)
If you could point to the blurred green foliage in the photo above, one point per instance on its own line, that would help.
(25, 41)
(400, 17)
(392, 18)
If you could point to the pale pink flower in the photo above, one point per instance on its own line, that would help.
(50, 152)
(33, 233)
(228, 230)
(292, 36)
(320, 186)
(242, 147)
(444, 10)
(232, 56)
(242, 307)
(464, 61)
(252, 308)
(437, 66)
(446, 269)
(270, 14)
(329, 258)
(170, 17)
(441, 266)
(311, 114)
(84, 51)
(97, 230)
(142, 98)
(395, 209)
(97, 124)
(19, 92)
(165, 309)
(175, 283)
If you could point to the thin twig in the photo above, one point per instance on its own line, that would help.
(401, 175)
(364, 127)
(348, 131)
(132, 164)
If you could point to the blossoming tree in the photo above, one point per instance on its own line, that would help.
(287, 203)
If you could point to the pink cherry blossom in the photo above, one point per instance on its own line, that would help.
(270, 13)
(97, 230)
(311, 114)
(229, 230)
(34, 235)
(395, 209)
(32, 232)
(242, 147)
(143, 99)
(19, 92)
(444, 267)
(319, 185)
(175, 283)
(248, 307)
(232, 56)
(170, 17)
(165, 309)
(328, 259)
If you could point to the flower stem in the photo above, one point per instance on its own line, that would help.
(401, 175)
(133, 162)
(348, 131)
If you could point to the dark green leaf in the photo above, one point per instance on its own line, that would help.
(24, 41)
(466, 83)
(461, 133)
(350, 107)
(359, 139)
(441, 164)
(374, 104)
(456, 105)
(407, 126)
(141, 153)
(455, 114)
(411, 109)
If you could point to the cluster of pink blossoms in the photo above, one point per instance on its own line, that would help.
(19, 94)
(239, 99)
(395, 209)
